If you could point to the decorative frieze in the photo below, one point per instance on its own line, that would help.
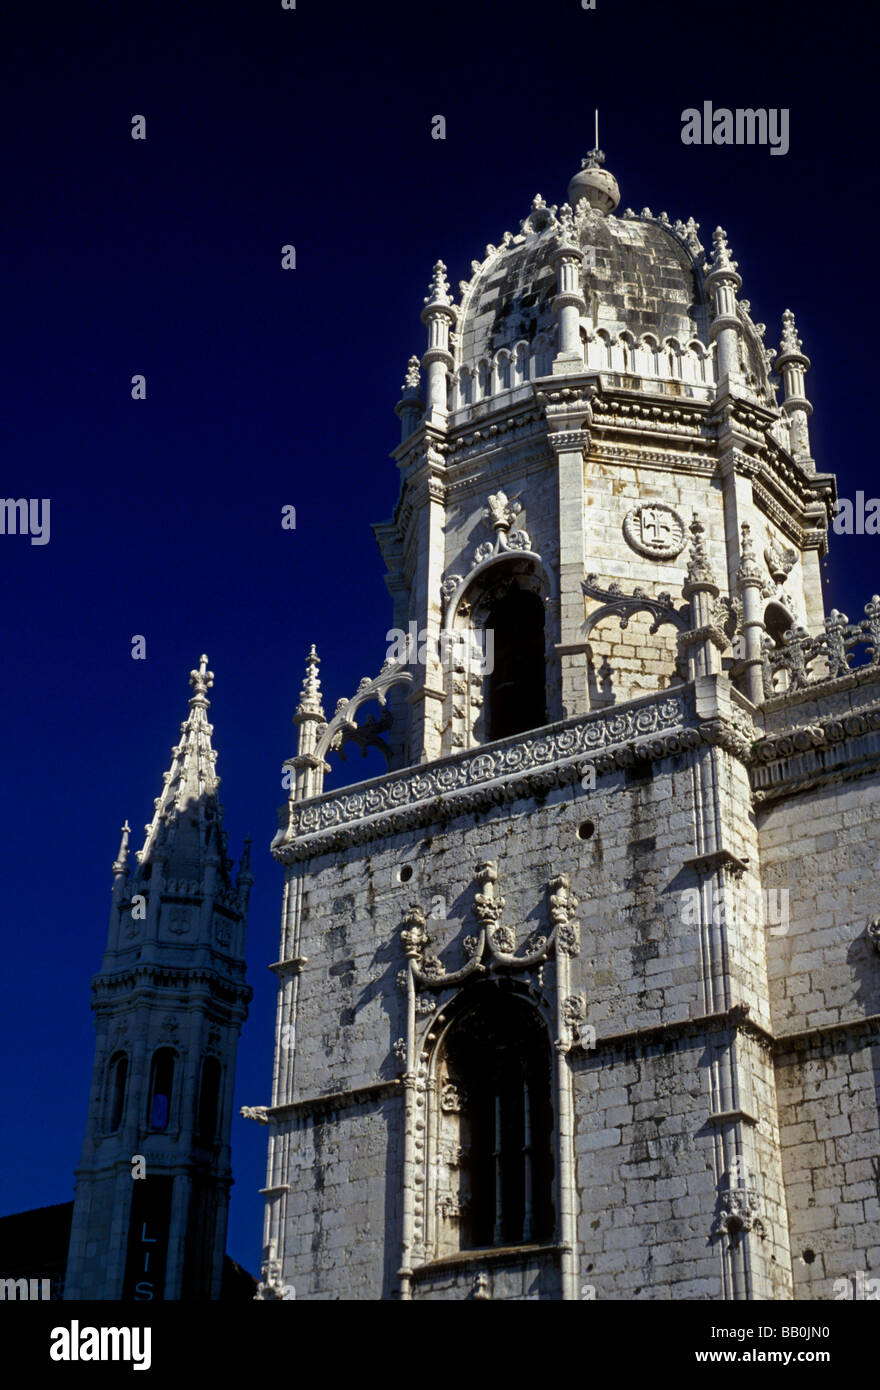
(494, 773)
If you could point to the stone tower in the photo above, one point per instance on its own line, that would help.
(578, 1000)
(169, 1004)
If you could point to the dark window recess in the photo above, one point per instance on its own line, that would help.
(777, 622)
(161, 1082)
(500, 1058)
(117, 1077)
(517, 699)
(209, 1101)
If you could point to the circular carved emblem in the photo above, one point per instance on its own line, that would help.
(656, 530)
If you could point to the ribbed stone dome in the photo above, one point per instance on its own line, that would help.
(638, 275)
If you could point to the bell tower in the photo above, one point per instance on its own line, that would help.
(533, 1035)
(152, 1187)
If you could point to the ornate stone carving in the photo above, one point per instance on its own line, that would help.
(453, 1098)
(409, 796)
(574, 1010)
(872, 931)
(830, 649)
(255, 1112)
(563, 905)
(618, 604)
(699, 570)
(654, 529)
(272, 1288)
(739, 1213)
(779, 562)
(452, 1205)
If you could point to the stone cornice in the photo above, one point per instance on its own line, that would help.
(335, 1100)
(147, 978)
(819, 751)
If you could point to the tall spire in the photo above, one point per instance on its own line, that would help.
(186, 825)
(309, 716)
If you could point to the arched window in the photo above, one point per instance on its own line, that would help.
(516, 696)
(777, 621)
(495, 1126)
(117, 1076)
(161, 1083)
(209, 1101)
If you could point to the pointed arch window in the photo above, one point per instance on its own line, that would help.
(209, 1101)
(161, 1088)
(494, 1127)
(117, 1078)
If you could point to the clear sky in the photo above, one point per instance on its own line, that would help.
(265, 388)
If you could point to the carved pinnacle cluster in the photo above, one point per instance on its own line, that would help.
(699, 570)
(749, 568)
(310, 695)
(721, 251)
(439, 286)
(413, 375)
(790, 343)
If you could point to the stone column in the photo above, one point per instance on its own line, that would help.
(439, 314)
(569, 303)
(428, 693)
(704, 642)
(722, 282)
(569, 447)
(751, 588)
(792, 365)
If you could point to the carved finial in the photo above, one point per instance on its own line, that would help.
(439, 286)
(310, 695)
(721, 251)
(566, 224)
(413, 375)
(201, 680)
(790, 340)
(749, 568)
(699, 571)
(593, 159)
(120, 864)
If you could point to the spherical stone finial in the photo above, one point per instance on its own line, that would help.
(594, 183)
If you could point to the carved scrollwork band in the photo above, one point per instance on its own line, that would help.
(650, 728)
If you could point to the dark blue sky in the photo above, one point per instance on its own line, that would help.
(311, 127)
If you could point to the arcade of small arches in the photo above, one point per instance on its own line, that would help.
(648, 357)
(162, 1110)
